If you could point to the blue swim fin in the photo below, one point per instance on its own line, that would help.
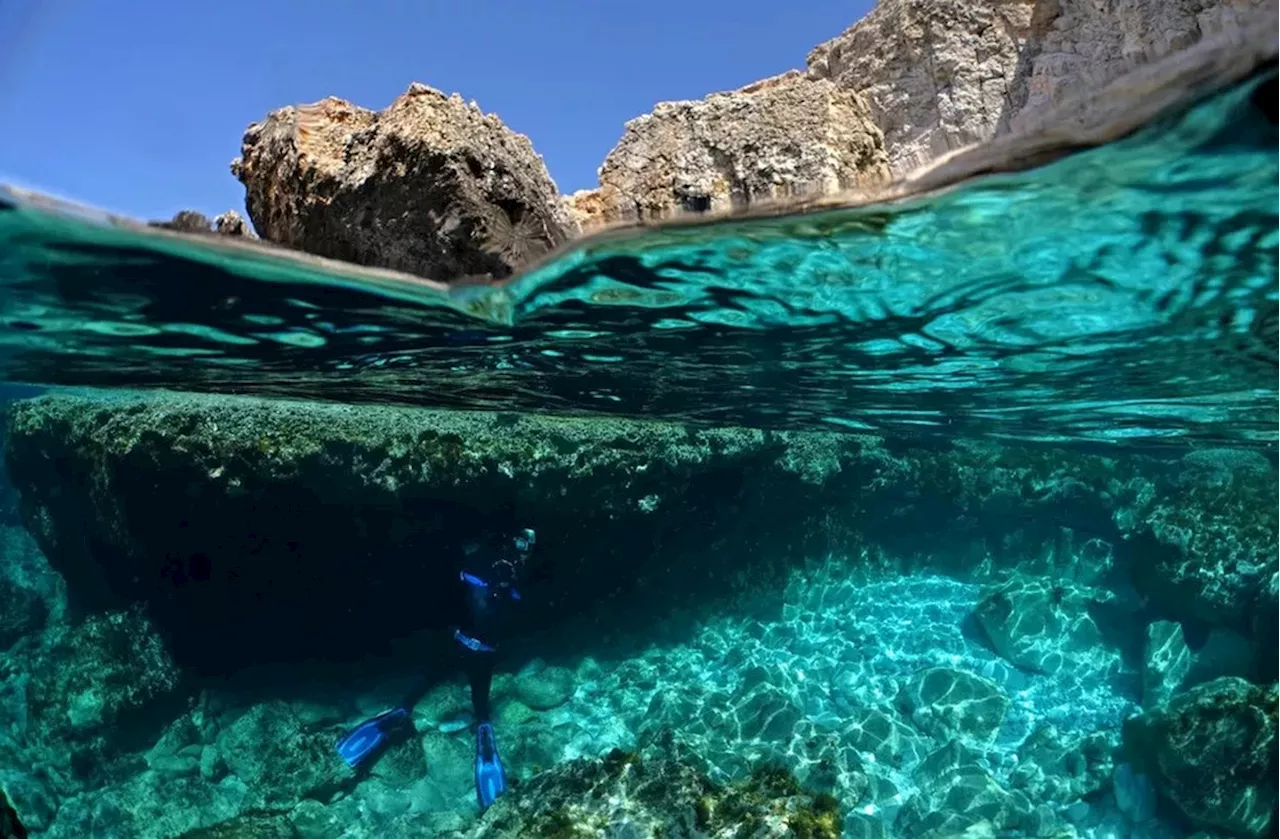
(491, 778)
(362, 741)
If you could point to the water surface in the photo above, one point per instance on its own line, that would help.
(1126, 292)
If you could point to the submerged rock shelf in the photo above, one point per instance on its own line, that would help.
(914, 641)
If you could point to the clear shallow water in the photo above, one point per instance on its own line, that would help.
(1124, 294)
(1127, 292)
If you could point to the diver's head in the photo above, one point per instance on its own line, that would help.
(511, 557)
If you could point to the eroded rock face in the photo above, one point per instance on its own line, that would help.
(781, 137)
(936, 74)
(941, 74)
(431, 185)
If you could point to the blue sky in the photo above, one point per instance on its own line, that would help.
(139, 106)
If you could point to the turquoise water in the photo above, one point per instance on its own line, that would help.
(952, 516)
(979, 311)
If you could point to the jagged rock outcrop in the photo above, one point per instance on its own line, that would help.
(431, 186)
(941, 74)
(781, 137)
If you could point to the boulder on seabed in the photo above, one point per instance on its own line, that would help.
(1211, 752)
(1166, 661)
(1044, 624)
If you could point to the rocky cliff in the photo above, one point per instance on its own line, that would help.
(941, 74)
(435, 187)
(778, 138)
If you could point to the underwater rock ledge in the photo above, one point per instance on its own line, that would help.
(287, 515)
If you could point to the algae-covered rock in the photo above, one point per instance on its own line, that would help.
(285, 514)
(1044, 624)
(281, 759)
(99, 684)
(626, 795)
(253, 826)
(1212, 754)
(1211, 548)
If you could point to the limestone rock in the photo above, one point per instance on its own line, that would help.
(1212, 753)
(11, 826)
(251, 826)
(542, 688)
(26, 577)
(942, 74)
(229, 223)
(1266, 629)
(22, 611)
(936, 74)
(1225, 653)
(1042, 624)
(957, 795)
(1166, 661)
(1077, 46)
(885, 737)
(413, 484)
(431, 186)
(780, 137)
(1062, 770)
(150, 805)
(1135, 796)
(958, 704)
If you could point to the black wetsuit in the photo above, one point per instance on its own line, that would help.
(490, 597)
(486, 596)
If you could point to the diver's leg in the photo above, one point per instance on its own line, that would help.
(479, 668)
(491, 777)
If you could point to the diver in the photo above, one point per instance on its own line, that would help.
(484, 598)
